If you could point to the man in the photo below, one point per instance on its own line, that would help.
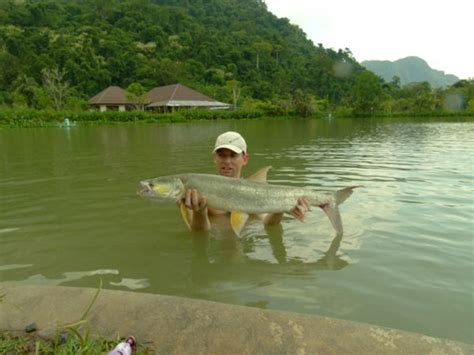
(230, 156)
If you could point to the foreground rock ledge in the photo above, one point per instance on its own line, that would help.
(175, 325)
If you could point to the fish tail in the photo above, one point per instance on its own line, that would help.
(343, 194)
(332, 210)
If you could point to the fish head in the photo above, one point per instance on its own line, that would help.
(168, 187)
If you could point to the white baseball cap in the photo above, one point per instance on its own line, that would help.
(231, 140)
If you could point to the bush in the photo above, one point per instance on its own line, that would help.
(219, 114)
(49, 118)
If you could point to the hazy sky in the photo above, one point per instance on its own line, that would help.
(440, 32)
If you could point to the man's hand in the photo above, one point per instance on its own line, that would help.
(194, 201)
(198, 205)
(299, 212)
(301, 208)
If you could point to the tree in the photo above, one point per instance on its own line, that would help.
(303, 103)
(25, 86)
(136, 94)
(367, 93)
(261, 48)
(10, 69)
(55, 86)
(277, 49)
(19, 100)
(395, 81)
(470, 105)
(234, 86)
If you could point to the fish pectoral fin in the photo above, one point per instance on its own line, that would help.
(185, 215)
(260, 175)
(237, 221)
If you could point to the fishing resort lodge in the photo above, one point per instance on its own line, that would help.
(160, 99)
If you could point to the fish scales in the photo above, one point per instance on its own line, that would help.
(248, 196)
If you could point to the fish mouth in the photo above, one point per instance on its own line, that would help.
(147, 188)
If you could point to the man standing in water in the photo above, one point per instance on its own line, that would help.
(230, 156)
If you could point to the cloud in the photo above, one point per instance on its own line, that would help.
(389, 30)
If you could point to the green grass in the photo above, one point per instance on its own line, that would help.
(68, 339)
(64, 343)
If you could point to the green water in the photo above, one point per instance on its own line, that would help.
(69, 216)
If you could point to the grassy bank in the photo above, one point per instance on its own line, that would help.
(68, 339)
(62, 344)
(35, 118)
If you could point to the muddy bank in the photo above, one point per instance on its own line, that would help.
(175, 325)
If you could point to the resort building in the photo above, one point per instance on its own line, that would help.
(113, 98)
(162, 99)
(170, 97)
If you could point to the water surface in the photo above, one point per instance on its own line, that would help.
(69, 216)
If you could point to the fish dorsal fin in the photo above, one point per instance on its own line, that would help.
(185, 215)
(260, 175)
(237, 221)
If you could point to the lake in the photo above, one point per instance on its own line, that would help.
(70, 216)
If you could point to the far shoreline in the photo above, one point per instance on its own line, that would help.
(27, 118)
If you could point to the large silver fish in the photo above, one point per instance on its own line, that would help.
(245, 196)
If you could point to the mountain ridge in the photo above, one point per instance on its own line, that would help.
(410, 69)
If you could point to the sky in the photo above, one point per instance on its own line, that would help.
(440, 32)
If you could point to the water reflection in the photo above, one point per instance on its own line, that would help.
(68, 277)
(39, 279)
(14, 266)
(228, 257)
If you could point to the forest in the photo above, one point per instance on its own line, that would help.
(56, 54)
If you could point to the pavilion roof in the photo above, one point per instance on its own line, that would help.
(113, 95)
(175, 92)
(176, 95)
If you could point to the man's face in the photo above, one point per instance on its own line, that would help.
(229, 163)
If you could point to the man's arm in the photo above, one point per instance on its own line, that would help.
(299, 212)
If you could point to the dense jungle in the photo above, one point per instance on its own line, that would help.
(56, 54)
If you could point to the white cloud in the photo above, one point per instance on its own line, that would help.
(440, 32)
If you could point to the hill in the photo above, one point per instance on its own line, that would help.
(59, 53)
(410, 70)
(209, 45)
